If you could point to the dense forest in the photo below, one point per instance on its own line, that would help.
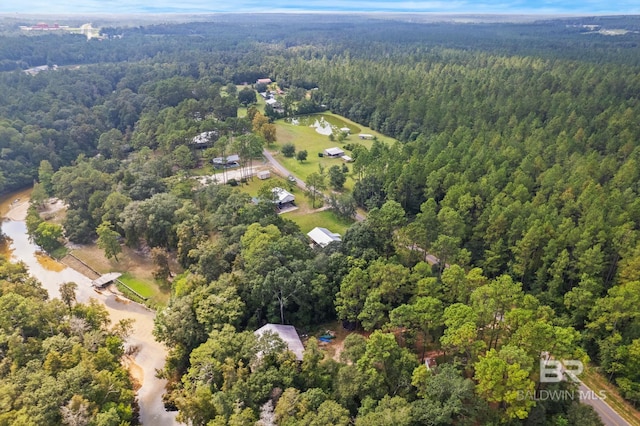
(60, 362)
(516, 164)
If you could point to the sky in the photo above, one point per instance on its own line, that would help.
(578, 7)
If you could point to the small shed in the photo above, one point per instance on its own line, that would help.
(334, 152)
(345, 130)
(264, 174)
(288, 334)
(347, 159)
(322, 237)
(264, 81)
(365, 136)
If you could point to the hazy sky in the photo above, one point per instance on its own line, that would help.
(212, 6)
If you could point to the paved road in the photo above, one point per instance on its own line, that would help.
(608, 416)
(282, 170)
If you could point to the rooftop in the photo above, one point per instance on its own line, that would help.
(288, 334)
(283, 196)
(334, 152)
(106, 279)
(323, 237)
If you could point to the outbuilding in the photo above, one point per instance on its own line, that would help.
(334, 152)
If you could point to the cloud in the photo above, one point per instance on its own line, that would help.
(216, 6)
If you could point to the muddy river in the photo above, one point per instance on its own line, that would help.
(150, 355)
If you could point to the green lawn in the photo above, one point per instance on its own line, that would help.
(143, 288)
(304, 216)
(306, 137)
(325, 219)
(150, 290)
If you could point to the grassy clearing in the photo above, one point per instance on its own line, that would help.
(137, 267)
(306, 217)
(143, 288)
(597, 382)
(325, 219)
(306, 138)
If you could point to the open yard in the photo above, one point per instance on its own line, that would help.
(306, 217)
(137, 268)
(305, 137)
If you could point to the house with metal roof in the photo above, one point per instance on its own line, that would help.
(288, 334)
(322, 237)
(282, 197)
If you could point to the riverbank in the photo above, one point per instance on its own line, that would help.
(147, 354)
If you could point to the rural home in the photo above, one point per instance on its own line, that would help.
(275, 105)
(283, 198)
(264, 174)
(322, 237)
(204, 139)
(334, 152)
(288, 334)
(225, 162)
(264, 81)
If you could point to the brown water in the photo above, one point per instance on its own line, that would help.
(151, 354)
(8, 200)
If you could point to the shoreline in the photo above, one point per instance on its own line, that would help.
(144, 354)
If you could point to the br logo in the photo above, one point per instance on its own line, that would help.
(553, 371)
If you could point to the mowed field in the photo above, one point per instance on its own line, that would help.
(307, 138)
(306, 217)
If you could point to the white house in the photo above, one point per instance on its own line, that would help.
(288, 334)
(264, 174)
(322, 236)
(283, 197)
(334, 152)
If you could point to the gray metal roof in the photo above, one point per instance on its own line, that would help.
(106, 279)
(288, 334)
